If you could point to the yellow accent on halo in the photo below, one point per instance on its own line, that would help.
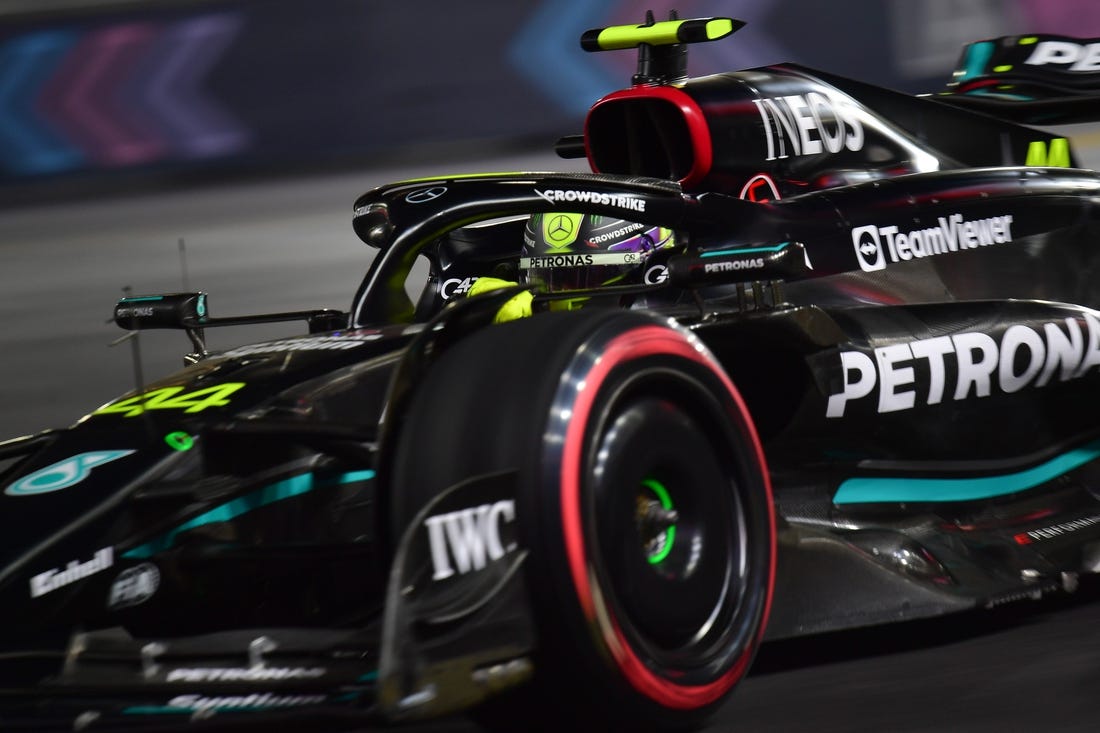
(664, 33)
(1029, 40)
(1003, 68)
(466, 176)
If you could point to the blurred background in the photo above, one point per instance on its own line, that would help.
(99, 96)
(218, 145)
(247, 129)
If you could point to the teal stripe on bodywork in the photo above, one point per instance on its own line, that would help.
(977, 57)
(877, 490)
(163, 710)
(744, 250)
(285, 489)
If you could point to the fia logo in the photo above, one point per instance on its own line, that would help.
(868, 246)
(134, 586)
(471, 537)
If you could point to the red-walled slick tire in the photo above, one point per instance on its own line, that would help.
(644, 501)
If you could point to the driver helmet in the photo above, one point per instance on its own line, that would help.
(565, 251)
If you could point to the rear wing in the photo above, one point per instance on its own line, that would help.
(1036, 79)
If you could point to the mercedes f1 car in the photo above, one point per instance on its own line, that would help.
(797, 354)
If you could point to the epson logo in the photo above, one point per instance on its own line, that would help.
(1083, 57)
(965, 365)
(809, 125)
(471, 537)
(730, 265)
(877, 246)
(621, 201)
(319, 343)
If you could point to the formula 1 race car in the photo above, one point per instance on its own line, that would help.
(798, 354)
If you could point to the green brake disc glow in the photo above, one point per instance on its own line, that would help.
(179, 441)
(666, 502)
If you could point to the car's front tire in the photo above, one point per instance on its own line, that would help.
(643, 500)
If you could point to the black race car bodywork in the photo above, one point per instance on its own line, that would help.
(855, 392)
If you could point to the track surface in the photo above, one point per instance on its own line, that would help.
(289, 245)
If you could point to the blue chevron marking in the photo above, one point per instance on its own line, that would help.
(546, 51)
(27, 144)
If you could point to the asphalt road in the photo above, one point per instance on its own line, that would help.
(289, 245)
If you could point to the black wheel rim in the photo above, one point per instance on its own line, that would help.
(671, 534)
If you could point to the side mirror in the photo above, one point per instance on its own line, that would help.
(187, 312)
(184, 311)
(173, 310)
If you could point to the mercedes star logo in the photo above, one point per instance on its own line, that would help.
(560, 228)
(425, 195)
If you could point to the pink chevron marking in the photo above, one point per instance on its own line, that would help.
(1080, 18)
(85, 97)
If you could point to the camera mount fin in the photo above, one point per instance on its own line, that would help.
(662, 46)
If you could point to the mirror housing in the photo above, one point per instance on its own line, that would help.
(172, 310)
(188, 312)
